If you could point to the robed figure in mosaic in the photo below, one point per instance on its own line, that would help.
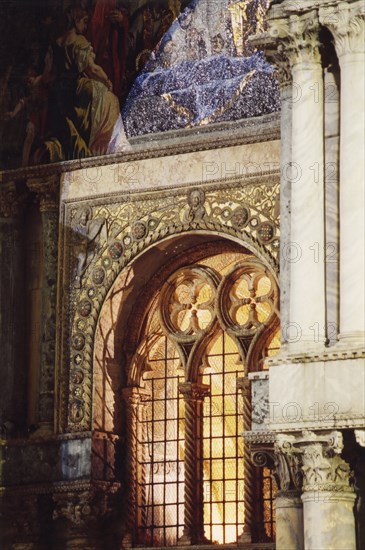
(85, 115)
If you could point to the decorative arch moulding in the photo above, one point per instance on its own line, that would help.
(102, 237)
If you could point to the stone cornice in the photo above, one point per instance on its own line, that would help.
(257, 438)
(173, 142)
(328, 354)
(62, 487)
(340, 421)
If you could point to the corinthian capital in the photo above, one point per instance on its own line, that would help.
(47, 192)
(346, 21)
(323, 467)
(12, 200)
(303, 41)
(193, 391)
(288, 462)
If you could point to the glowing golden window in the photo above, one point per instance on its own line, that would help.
(189, 482)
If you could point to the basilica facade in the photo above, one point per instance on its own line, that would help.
(182, 304)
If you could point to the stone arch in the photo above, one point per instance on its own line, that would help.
(239, 214)
(122, 313)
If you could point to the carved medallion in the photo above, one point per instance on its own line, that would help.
(78, 341)
(98, 275)
(115, 250)
(266, 232)
(77, 411)
(139, 230)
(240, 217)
(85, 308)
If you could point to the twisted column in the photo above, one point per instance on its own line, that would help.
(47, 192)
(133, 398)
(244, 384)
(194, 503)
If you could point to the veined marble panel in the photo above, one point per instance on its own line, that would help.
(172, 171)
(317, 395)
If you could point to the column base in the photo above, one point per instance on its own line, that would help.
(44, 430)
(245, 537)
(189, 540)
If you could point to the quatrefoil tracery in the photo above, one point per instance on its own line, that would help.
(244, 303)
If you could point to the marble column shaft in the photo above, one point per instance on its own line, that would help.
(347, 26)
(289, 521)
(307, 278)
(328, 496)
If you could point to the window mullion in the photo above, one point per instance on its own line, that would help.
(193, 496)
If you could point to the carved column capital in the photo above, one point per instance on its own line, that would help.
(133, 395)
(75, 508)
(297, 41)
(13, 197)
(193, 391)
(47, 192)
(244, 384)
(288, 464)
(346, 21)
(322, 466)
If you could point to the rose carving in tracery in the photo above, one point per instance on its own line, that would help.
(247, 297)
(188, 301)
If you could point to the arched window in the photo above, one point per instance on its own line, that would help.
(190, 480)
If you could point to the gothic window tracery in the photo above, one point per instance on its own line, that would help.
(190, 481)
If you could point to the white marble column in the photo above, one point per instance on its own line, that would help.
(289, 521)
(306, 328)
(347, 26)
(282, 65)
(332, 147)
(289, 506)
(328, 498)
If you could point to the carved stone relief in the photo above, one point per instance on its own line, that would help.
(102, 238)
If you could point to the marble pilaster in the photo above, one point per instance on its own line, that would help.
(347, 24)
(12, 304)
(332, 151)
(307, 304)
(47, 192)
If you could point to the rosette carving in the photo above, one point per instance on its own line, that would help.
(187, 311)
(247, 304)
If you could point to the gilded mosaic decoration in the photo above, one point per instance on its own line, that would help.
(103, 238)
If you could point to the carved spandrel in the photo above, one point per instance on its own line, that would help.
(86, 232)
(131, 226)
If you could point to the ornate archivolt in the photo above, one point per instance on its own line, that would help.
(101, 238)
